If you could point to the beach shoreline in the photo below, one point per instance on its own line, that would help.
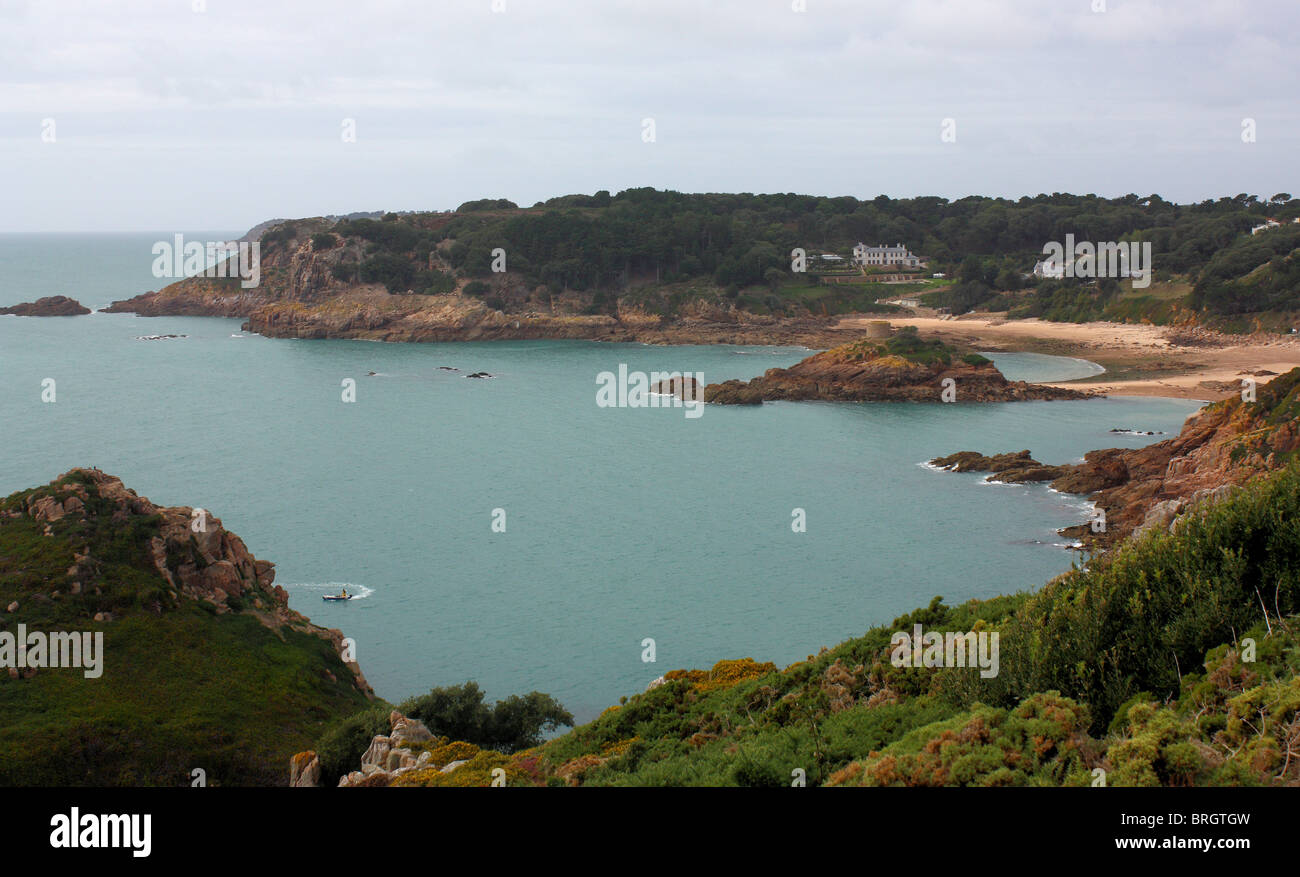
(1140, 359)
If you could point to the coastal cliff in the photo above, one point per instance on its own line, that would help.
(204, 666)
(903, 368)
(374, 314)
(1224, 444)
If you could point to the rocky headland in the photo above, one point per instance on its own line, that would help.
(50, 306)
(204, 665)
(310, 288)
(195, 555)
(1224, 444)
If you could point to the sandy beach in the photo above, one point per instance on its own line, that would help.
(1140, 360)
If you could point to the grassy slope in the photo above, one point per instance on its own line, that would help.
(182, 687)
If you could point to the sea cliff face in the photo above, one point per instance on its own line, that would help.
(904, 368)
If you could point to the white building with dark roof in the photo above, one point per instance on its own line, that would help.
(897, 255)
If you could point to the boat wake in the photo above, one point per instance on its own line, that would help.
(358, 592)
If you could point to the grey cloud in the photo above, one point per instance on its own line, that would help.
(171, 118)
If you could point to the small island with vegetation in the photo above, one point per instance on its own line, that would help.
(899, 366)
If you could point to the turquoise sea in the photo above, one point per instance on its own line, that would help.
(620, 524)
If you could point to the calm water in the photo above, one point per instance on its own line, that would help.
(621, 524)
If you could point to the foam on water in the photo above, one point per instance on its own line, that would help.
(358, 592)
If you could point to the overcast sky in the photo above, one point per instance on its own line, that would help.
(164, 117)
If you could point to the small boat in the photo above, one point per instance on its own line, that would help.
(343, 596)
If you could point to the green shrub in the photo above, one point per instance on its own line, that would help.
(1136, 617)
(459, 713)
(341, 746)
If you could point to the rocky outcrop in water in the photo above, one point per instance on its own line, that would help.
(50, 306)
(684, 387)
(904, 369)
(1011, 468)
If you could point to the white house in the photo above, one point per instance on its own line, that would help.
(885, 255)
(1272, 223)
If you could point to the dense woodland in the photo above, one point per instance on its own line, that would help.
(607, 246)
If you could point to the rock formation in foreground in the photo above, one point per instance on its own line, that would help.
(411, 755)
(904, 368)
(50, 306)
(1223, 444)
(404, 749)
(203, 665)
